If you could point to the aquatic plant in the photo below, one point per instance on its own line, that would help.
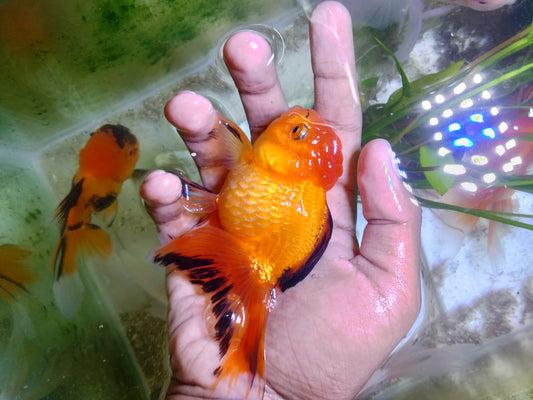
(464, 135)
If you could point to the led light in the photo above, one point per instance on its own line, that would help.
(443, 151)
(437, 136)
(477, 78)
(507, 167)
(467, 103)
(489, 132)
(516, 160)
(510, 144)
(503, 127)
(433, 121)
(479, 160)
(486, 94)
(489, 178)
(463, 142)
(469, 186)
(454, 127)
(454, 169)
(500, 150)
(460, 88)
(447, 113)
(530, 112)
(476, 118)
(439, 98)
(494, 110)
(426, 105)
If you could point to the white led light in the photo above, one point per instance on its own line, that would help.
(479, 160)
(516, 160)
(494, 110)
(469, 186)
(489, 178)
(437, 136)
(510, 144)
(500, 150)
(477, 78)
(447, 113)
(467, 103)
(486, 94)
(507, 167)
(439, 98)
(503, 127)
(443, 151)
(433, 121)
(426, 105)
(454, 169)
(460, 88)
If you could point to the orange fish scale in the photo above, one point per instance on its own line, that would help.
(280, 222)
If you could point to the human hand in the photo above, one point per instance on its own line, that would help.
(329, 333)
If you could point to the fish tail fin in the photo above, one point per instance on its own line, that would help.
(218, 262)
(85, 240)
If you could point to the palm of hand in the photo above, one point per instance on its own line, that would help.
(326, 335)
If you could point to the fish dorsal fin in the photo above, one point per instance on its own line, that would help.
(237, 146)
(218, 262)
(292, 277)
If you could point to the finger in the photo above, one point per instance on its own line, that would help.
(337, 101)
(252, 67)
(200, 126)
(161, 192)
(391, 240)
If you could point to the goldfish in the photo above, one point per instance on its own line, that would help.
(264, 230)
(106, 161)
(14, 275)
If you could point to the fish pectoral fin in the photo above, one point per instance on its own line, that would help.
(196, 198)
(215, 260)
(237, 146)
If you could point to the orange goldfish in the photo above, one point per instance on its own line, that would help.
(106, 161)
(267, 228)
(14, 275)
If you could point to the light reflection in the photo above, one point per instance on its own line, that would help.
(447, 113)
(494, 110)
(500, 150)
(530, 112)
(486, 94)
(454, 127)
(507, 167)
(439, 99)
(476, 118)
(489, 178)
(443, 151)
(463, 142)
(459, 88)
(454, 169)
(477, 78)
(503, 127)
(516, 160)
(467, 103)
(433, 121)
(489, 132)
(510, 144)
(426, 105)
(437, 136)
(469, 186)
(479, 160)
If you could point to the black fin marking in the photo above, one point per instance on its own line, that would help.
(233, 131)
(291, 278)
(101, 203)
(70, 200)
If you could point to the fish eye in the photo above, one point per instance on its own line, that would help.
(299, 132)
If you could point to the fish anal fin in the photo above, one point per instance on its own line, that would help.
(293, 276)
(84, 240)
(239, 299)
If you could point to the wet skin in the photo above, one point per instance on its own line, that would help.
(330, 332)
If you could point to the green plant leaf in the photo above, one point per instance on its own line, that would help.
(437, 178)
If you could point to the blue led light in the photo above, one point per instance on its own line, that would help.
(476, 118)
(454, 127)
(489, 132)
(463, 142)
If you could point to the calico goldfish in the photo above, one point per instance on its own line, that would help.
(266, 229)
(106, 161)
(14, 274)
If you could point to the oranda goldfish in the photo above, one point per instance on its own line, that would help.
(269, 226)
(106, 161)
(14, 273)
